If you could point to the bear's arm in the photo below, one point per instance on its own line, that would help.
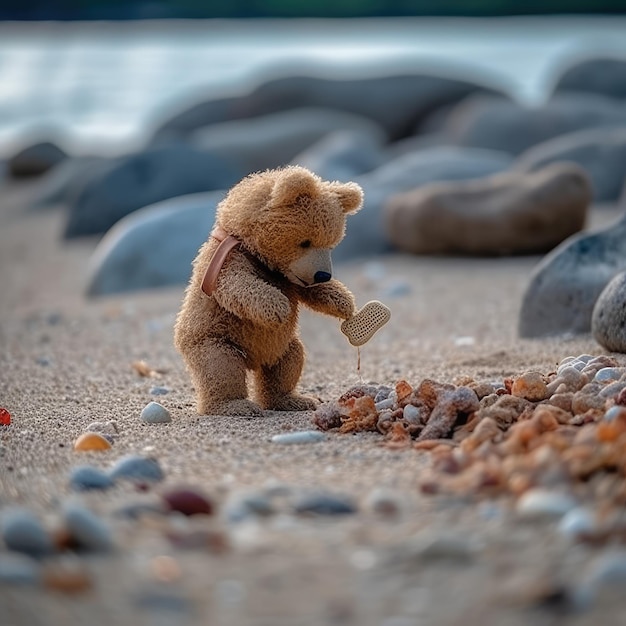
(332, 298)
(241, 292)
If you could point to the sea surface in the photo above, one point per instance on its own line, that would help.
(104, 85)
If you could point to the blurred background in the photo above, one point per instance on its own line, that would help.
(111, 106)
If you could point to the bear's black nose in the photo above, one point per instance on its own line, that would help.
(321, 277)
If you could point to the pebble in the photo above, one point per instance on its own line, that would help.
(5, 417)
(608, 571)
(242, 508)
(536, 503)
(139, 468)
(382, 393)
(385, 502)
(530, 386)
(387, 403)
(155, 413)
(84, 477)
(410, 412)
(105, 428)
(88, 530)
(23, 532)
(89, 442)
(18, 569)
(301, 436)
(159, 391)
(324, 504)
(577, 522)
(607, 374)
(188, 502)
(612, 390)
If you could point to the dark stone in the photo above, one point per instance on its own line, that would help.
(604, 76)
(324, 504)
(35, 160)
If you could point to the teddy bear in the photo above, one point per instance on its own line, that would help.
(268, 253)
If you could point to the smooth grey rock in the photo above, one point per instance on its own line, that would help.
(577, 522)
(324, 504)
(564, 286)
(499, 124)
(342, 155)
(601, 152)
(104, 428)
(154, 247)
(138, 468)
(18, 569)
(607, 572)
(507, 213)
(248, 506)
(155, 413)
(299, 437)
(85, 477)
(398, 102)
(606, 76)
(88, 530)
(138, 180)
(271, 141)
(538, 503)
(23, 532)
(608, 320)
(35, 160)
(365, 231)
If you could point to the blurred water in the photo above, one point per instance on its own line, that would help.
(105, 84)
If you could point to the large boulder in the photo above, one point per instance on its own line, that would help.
(342, 155)
(604, 76)
(397, 103)
(270, 141)
(153, 247)
(608, 321)
(507, 213)
(132, 182)
(365, 233)
(565, 286)
(499, 124)
(34, 159)
(601, 152)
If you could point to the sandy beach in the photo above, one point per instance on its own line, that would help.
(66, 362)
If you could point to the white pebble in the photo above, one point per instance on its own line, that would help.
(609, 373)
(537, 503)
(299, 437)
(155, 413)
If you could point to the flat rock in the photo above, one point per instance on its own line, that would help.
(273, 140)
(23, 532)
(606, 76)
(564, 286)
(342, 155)
(153, 247)
(608, 320)
(396, 102)
(34, 160)
(601, 152)
(508, 213)
(499, 124)
(130, 183)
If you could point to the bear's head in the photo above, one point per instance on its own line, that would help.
(290, 219)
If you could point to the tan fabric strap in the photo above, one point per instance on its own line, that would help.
(227, 243)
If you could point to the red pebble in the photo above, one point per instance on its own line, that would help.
(188, 502)
(5, 417)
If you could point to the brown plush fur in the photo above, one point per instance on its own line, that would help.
(288, 221)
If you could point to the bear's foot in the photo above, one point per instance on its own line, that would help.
(293, 402)
(242, 407)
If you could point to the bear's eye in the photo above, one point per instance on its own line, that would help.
(306, 243)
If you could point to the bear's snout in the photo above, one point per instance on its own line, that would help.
(322, 277)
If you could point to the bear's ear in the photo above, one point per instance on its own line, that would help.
(350, 196)
(293, 182)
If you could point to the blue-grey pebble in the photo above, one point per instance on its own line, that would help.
(133, 467)
(301, 436)
(23, 532)
(18, 569)
(88, 530)
(246, 507)
(159, 391)
(155, 413)
(324, 504)
(85, 477)
(609, 373)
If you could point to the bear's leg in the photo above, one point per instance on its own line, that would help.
(274, 386)
(218, 372)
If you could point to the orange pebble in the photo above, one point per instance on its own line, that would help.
(91, 441)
